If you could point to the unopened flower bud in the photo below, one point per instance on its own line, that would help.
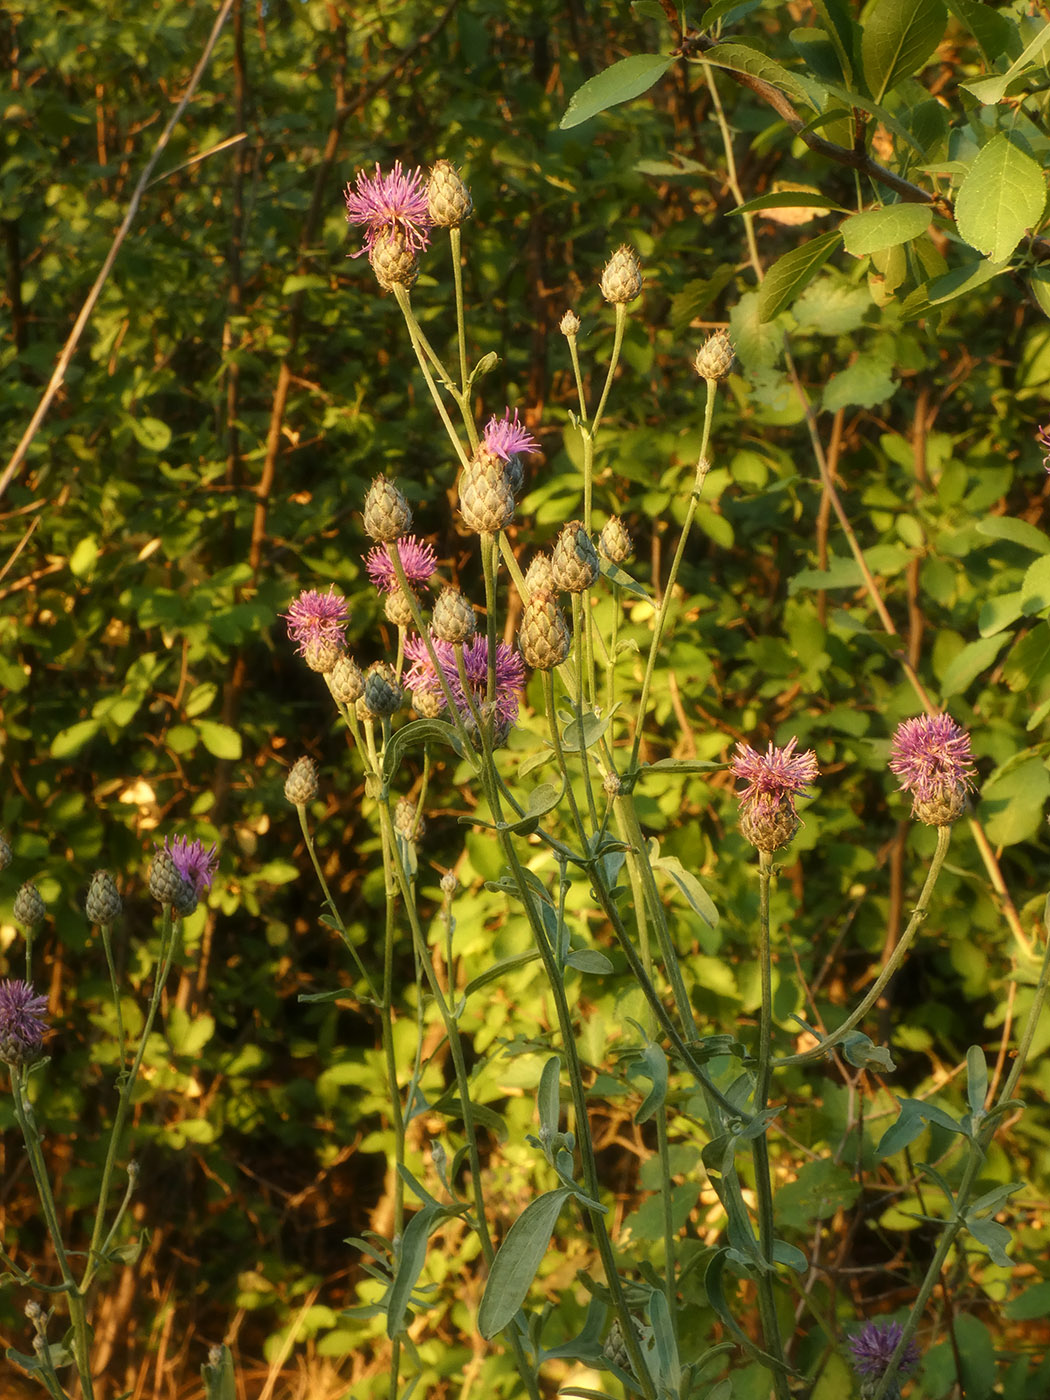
(453, 619)
(29, 908)
(386, 515)
(574, 560)
(486, 500)
(406, 823)
(539, 576)
(569, 325)
(611, 784)
(394, 261)
(614, 541)
(322, 654)
(622, 279)
(398, 609)
(428, 704)
(449, 884)
(103, 904)
(167, 886)
(382, 695)
(543, 636)
(714, 359)
(448, 197)
(300, 786)
(346, 681)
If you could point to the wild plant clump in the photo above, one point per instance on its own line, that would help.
(553, 769)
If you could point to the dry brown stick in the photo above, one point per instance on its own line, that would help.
(69, 349)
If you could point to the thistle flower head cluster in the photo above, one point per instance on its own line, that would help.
(22, 1024)
(181, 872)
(317, 624)
(772, 781)
(930, 757)
(510, 678)
(417, 559)
(871, 1351)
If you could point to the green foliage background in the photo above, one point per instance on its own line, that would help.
(239, 384)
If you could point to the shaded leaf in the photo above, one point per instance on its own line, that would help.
(623, 81)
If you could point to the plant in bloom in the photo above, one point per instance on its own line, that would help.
(772, 781)
(22, 1023)
(930, 757)
(196, 865)
(1043, 439)
(505, 437)
(510, 676)
(390, 203)
(873, 1346)
(317, 619)
(417, 559)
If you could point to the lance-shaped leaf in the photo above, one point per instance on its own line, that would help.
(517, 1261)
(623, 81)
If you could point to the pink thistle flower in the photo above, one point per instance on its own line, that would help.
(772, 781)
(196, 865)
(510, 676)
(22, 1024)
(417, 559)
(397, 201)
(1042, 437)
(506, 437)
(317, 618)
(873, 1347)
(930, 757)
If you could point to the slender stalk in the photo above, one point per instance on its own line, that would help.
(332, 908)
(944, 835)
(418, 342)
(115, 988)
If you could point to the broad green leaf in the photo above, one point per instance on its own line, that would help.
(964, 668)
(1035, 589)
(821, 1188)
(842, 30)
(867, 382)
(1012, 802)
(151, 433)
(82, 560)
(1005, 527)
(992, 31)
(897, 38)
(1000, 612)
(992, 90)
(913, 1118)
(820, 57)
(788, 199)
(840, 573)
(303, 282)
(589, 960)
(623, 81)
(1032, 1302)
(219, 739)
(1001, 198)
(409, 1266)
(884, 228)
(1039, 285)
(70, 741)
(741, 58)
(189, 1035)
(418, 732)
(795, 270)
(517, 1261)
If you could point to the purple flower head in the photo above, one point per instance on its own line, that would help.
(317, 618)
(873, 1347)
(930, 757)
(193, 862)
(395, 201)
(1042, 437)
(506, 437)
(774, 777)
(510, 675)
(22, 1023)
(417, 559)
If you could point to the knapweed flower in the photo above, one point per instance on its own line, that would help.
(417, 559)
(772, 782)
(22, 1023)
(872, 1349)
(390, 203)
(195, 864)
(1042, 437)
(930, 757)
(318, 619)
(510, 678)
(507, 438)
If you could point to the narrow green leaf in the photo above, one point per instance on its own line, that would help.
(976, 1079)
(409, 1266)
(496, 971)
(623, 81)
(992, 90)
(70, 741)
(897, 38)
(417, 733)
(994, 1237)
(795, 270)
(1001, 198)
(884, 228)
(548, 1096)
(665, 1345)
(651, 1064)
(517, 1261)
(589, 960)
(789, 199)
(696, 896)
(741, 58)
(1006, 527)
